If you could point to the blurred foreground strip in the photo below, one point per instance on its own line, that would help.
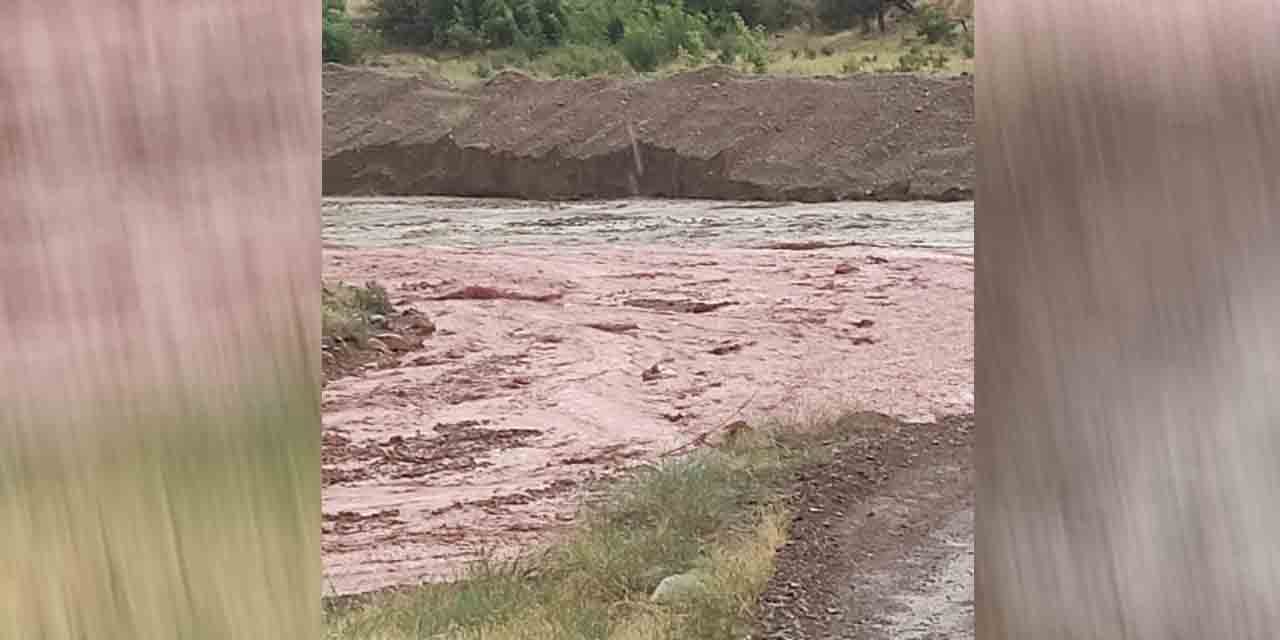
(1128, 283)
(159, 320)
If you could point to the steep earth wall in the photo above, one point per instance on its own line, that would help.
(711, 133)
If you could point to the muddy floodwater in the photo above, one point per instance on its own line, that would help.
(608, 334)
(406, 222)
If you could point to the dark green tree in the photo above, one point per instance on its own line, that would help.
(844, 14)
(337, 43)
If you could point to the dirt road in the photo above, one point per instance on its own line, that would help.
(882, 545)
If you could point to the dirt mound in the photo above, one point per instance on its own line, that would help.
(710, 133)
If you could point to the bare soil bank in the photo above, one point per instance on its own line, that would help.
(707, 134)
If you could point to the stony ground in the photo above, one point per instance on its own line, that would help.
(882, 544)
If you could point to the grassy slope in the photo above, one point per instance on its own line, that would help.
(789, 54)
(718, 511)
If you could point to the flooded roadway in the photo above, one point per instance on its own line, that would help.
(619, 331)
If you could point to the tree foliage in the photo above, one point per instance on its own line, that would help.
(337, 41)
(845, 14)
(472, 24)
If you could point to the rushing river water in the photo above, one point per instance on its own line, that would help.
(467, 222)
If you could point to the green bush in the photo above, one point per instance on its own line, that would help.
(338, 37)
(659, 36)
(938, 60)
(917, 58)
(582, 61)
(509, 59)
(771, 14)
(471, 24)
(642, 48)
(858, 64)
(410, 22)
(913, 60)
(844, 14)
(616, 30)
(348, 312)
(967, 44)
(736, 41)
(934, 25)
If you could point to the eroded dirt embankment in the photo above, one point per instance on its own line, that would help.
(705, 134)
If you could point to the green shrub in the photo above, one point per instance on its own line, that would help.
(338, 37)
(938, 60)
(347, 312)
(967, 44)
(642, 48)
(913, 60)
(934, 25)
(508, 59)
(838, 15)
(471, 24)
(582, 61)
(858, 64)
(736, 41)
(828, 51)
(657, 37)
(810, 53)
(917, 58)
(411, 22)
(771, 14)
(616, 30)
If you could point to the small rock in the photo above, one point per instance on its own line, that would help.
(726, 349)
(844, 268)
(679, 587)
(397, 342)
(651, 374)
(420, 324)
(378, 345)
(613, 327)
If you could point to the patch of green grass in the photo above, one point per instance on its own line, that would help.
(717, 511)
(578, 61)
(348, 313)
(854, 52)
(795, 54)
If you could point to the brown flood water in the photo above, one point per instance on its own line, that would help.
(658, 321)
